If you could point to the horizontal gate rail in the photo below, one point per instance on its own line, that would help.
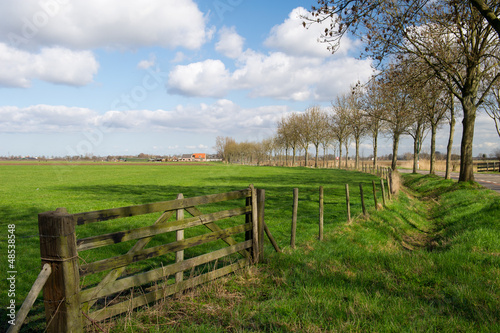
(115, 213)
(159, 273)
(123, 236)
(126, 259)
(161, 293)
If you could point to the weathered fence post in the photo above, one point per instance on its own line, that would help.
(179, 255)
(362, 198)
(321, 213)
(62, 290)
(389, 184)
(383, 189)
(255, 226)
(348, 202)
(261, 198)
(294, 216)
(375, 194)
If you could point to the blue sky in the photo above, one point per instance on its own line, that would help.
(166, 77)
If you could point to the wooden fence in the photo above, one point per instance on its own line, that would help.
(68, 308)
(488, 166)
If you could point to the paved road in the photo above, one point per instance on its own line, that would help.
(488, 180)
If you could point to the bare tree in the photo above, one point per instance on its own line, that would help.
(374, 109)
(492, 106)
(340, 124)
(398, 108)
(318, 124)
(450, 36)
(356, 118)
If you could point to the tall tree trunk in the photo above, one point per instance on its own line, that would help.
(395, 145)
(375, 149)
(450, 139)
(294, 152)
(340, 154)
(466, 166)
(307, 156)
(346, 154)
(357, 154)
(415, 153)
(317, 156)
(432, 168)
(325, 163)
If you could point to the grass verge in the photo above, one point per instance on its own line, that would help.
(429, 262)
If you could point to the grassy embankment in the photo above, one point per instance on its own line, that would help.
(429, 262)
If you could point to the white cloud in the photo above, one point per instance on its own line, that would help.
(84, 24)
(292, 38)
(230, 43)
(209, 78)
(275, 75)
(145, 64)
(56, 65)
(221, 117)
(45, 118)
(301, 70)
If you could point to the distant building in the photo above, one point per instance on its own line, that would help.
(186, 158)
(213, 158)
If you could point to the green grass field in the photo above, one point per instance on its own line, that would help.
(32, 188)
(429, 262)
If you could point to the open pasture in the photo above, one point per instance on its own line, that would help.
(31, 188)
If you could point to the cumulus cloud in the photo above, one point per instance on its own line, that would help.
(208, 78)
(230, 43)
(223, 117)
(80, 24)
(275, 75)
(292, 38)
(56, 65)
(45, 118)
(299, 68)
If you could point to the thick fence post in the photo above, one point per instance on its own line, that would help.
(261, 198)
(383, 189)
(62, 290)
(294, 216)
(255, 226)
(389, 185)
(362, 198)
(179, 255)
(375, 194)
(321, 213)
(348, 202)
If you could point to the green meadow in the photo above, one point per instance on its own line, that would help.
(429, 261)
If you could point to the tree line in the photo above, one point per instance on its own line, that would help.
(440, 47)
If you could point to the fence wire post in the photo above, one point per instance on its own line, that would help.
(375, 194)
(62, 290)
(294, 216)
(321, 212)
(348, 202)
(362, 198)
(383, 189)
(179, 235)
(261, 198)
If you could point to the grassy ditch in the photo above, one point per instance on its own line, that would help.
(430, 261)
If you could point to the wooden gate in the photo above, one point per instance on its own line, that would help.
(66, 302)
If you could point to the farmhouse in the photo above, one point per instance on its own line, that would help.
(198, 157)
